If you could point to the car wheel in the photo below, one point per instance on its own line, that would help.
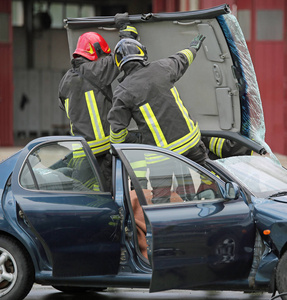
(281, 276)
(16, 270)
(77, 289)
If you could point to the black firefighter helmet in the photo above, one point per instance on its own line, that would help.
(129, 50)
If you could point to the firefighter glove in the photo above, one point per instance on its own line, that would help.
(129, 32)
(197, 41)
(122, 20)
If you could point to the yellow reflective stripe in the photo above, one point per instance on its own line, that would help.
(94, 115)
(77, 146)
(181, 145)
(191, 138)
(185, 146)
(67, 101)
(154, 158)
(219, 146)
(182, 108)
(206, 179)
(96, 188)
(212, 144)
(104, 148)
(79, 154)
(119, 137)
(138, 164)
(67, 107)
(131, 28)
(97, 143)
(75, 163)
(188, 54)
(153, 125)
(139, 168)
(215, 146)
(92, 184)
(96, 147)
(140, 173)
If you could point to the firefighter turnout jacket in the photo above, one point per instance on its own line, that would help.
(86, 104)
(222, 148)
(148, 95)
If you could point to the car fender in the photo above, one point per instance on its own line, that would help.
(270, 218)
(10, 226)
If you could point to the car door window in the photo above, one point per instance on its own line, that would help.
(61, 166)
(166, 179)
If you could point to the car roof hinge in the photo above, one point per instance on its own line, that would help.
(146, 17)
(223, 55)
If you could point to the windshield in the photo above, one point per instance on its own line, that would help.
(260, 175)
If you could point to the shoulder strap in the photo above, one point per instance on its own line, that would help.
(93, 84)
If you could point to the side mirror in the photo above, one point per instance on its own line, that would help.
(231, 191)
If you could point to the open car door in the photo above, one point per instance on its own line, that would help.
(220, 88)
(62, 205)
(195, 237)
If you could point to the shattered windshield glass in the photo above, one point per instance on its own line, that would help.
(253, 125)
(260, 175)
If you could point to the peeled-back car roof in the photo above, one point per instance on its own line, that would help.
(219, 89)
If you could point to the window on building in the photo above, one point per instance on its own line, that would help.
(17, 13)
(269, 25)
(57, 11)
(244, 20)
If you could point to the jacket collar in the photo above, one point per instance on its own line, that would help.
(131, 67)
(76, 62)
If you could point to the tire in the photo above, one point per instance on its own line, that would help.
(281, 276)
(16, 270)
(77, 289)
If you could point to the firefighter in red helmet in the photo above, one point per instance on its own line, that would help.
(85, 91)
(91, 45)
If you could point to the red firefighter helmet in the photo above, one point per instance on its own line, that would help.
(91, 45)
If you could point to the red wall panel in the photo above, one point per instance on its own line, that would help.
(211, 3)
(165, 6)
(269, 64)
(6, 81)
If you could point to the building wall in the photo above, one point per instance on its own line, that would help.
(36, 110)
(51, 56)
(264, 26)
(6, 75)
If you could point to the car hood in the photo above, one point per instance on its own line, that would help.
(282, 199)
(219, 89)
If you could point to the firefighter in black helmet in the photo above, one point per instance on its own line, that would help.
(85, 91)
(148, 95)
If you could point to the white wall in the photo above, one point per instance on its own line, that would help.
(41, 115)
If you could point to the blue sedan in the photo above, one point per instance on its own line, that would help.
(184, 227)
